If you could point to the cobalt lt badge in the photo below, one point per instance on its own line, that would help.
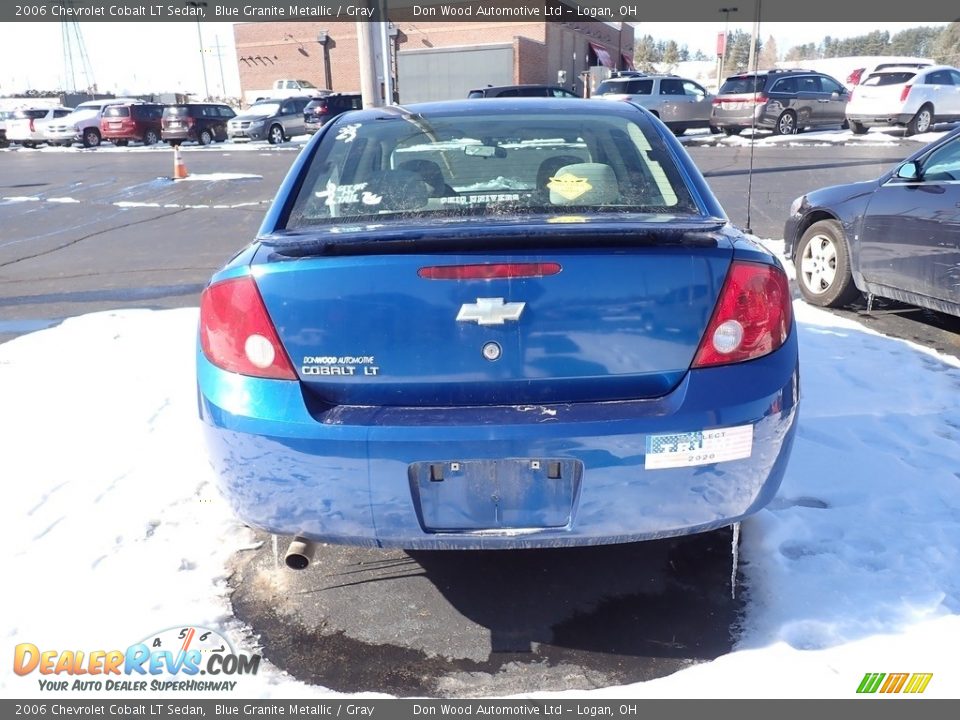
(490, 311)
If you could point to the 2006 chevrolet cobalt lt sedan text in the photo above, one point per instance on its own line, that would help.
(497, 324)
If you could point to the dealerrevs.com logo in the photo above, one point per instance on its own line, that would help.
(180, 659)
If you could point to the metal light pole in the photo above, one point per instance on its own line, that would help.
(726, 24)
(203, 61)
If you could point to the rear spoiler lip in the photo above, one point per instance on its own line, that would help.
(707, 232)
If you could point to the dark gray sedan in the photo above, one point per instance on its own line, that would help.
(275, 120)
(896, 237)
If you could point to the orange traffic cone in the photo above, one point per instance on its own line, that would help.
(179, 167)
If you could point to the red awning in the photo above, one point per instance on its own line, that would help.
(627, 62)
(603, 55)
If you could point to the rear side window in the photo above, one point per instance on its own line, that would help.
(630, 87)
(940, 77)
(743, 84)
(786, 85)
(32, 114)
(511, 164)
(888, 78)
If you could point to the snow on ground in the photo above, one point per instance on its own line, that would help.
(113, 529)
(212, 177)
(876, 137)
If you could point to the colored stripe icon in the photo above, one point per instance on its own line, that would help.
(913, 683)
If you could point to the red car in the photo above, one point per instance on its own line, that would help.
(123, 123)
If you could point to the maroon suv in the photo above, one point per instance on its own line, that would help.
(123, 123)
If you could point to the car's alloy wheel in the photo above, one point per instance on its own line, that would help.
(921, 122)
(823, 266)
(205, 138)
(786, 124)
(91, 138)
(276, 135)
(150, 137)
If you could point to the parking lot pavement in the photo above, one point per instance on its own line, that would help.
(467, 624)
(96, 230)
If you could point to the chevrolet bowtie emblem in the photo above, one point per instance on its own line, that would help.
(490, 311)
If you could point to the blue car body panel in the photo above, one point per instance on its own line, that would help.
(427, 444)
(344, 477)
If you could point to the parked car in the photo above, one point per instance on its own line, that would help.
(320, 111)
(201, 122)
(26, 126)
(504, 91)
(273, 120)
(83, 124)
(285, 88)
(785, 101)
(139, 122)
(680, 103)
(4, 116)
(914, 98)
(859, 74)
(894, 237)
(492, 324)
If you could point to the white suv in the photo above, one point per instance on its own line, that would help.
(83, 124)
(908, 96)
(26, 125)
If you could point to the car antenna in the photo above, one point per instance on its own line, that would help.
(753, 120)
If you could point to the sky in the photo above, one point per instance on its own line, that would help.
(165, 57)
(853, 568)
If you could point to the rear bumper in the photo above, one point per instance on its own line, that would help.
(59, 136)
(877, 119)
(345, 476)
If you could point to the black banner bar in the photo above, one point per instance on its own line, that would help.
(918, 11)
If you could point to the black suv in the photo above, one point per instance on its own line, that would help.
(521, 91)
(320, 111)
(785, 101)
(203, 122)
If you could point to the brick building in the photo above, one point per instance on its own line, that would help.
(435, 60)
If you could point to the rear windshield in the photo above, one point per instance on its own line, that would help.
(117, 111)
(625, 87)
(893, 78)
(482, 165)
(34, 114)
(176, 111)
(743, 84)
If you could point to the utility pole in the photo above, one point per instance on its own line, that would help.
(203, 60)
(754, 37)
(722, 55)
(223, 85)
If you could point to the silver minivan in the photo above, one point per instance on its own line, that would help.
(275, 120)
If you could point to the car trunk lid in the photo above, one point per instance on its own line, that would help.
(608, 321)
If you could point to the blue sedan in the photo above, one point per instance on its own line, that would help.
(497, 324)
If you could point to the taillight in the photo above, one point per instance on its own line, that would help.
(854, 77)
(717, 101)
(32, 126)
(905, 92)
(760, 99)
(493, 271)
(752, 317)
(190, 120)
(236, 333)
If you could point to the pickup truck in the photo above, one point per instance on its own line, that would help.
(284, 89)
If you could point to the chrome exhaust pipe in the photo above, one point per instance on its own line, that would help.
(300, 553)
